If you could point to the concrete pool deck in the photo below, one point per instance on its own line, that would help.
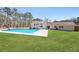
(41, 32)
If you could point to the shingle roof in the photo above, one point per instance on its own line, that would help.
(63, 23)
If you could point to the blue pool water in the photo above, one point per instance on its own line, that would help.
(22, 30)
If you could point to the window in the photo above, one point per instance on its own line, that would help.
(60, 26)
(41, 26)
(56, 27)
(35, 24)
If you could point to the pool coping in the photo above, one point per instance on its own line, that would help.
(41, 32)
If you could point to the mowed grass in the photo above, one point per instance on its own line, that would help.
(56, 41)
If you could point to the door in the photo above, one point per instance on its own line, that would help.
(76, 28)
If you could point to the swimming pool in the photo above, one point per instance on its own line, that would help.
(22, 30)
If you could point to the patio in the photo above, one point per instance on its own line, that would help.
(42, 32)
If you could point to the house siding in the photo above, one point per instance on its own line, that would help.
(69, 28)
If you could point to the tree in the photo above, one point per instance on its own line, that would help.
(46, 23)
(13, 18)
(78, 20)
(75, 20)
(29, 17)
(7, 12)
(2, 19)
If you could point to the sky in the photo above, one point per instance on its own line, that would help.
(52, 13)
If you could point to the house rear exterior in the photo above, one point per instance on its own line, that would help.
(38, 24)
(69, 26)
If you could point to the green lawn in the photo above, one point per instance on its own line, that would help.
(56, 41)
